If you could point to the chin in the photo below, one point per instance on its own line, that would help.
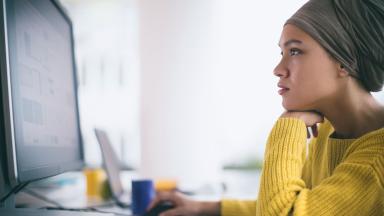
(291, 106)
(287, 107)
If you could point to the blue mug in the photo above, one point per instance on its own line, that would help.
(143, 191)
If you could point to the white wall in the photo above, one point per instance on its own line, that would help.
(176, 91)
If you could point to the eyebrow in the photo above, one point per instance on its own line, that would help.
(291, 41)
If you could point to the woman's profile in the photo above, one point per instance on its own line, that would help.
(332, 58)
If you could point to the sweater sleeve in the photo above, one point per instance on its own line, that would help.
(352, 189)
(238, 207)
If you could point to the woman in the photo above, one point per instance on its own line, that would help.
(332, 58)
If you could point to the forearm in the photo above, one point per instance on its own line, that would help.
(281, 176)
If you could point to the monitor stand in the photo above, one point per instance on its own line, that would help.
(8, 208)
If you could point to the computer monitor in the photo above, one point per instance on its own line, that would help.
(39, 91)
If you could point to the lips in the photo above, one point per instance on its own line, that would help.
(282, 88)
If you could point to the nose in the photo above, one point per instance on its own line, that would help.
(281, 70)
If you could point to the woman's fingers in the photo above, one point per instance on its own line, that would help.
(162, 197)
(182, 205)
(315, 131)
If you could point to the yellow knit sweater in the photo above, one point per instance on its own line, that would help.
(338, 177)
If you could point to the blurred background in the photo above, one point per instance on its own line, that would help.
(184, 88)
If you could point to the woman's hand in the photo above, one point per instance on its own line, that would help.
(185, 206)
(310, 118)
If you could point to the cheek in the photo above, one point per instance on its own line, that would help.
(309, 90)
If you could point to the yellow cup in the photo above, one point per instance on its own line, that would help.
(95, 180)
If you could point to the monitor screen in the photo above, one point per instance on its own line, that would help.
(39, 91)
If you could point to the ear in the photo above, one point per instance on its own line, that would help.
(342, 72)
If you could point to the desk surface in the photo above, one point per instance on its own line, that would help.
(69, 190)
(40, 212)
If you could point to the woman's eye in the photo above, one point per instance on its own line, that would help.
(293, 52)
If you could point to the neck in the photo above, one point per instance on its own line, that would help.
(354, 114)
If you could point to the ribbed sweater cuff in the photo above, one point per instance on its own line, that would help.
(230, 207)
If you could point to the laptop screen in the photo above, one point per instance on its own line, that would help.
(111, 163)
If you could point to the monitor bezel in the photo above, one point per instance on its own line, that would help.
(14, 176)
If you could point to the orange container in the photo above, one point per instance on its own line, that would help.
(95, 181)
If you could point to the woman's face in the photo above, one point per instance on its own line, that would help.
(308, 75)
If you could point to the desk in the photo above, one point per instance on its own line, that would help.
(69, 190)
(66, 191)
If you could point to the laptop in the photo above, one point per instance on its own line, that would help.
(112, 167)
